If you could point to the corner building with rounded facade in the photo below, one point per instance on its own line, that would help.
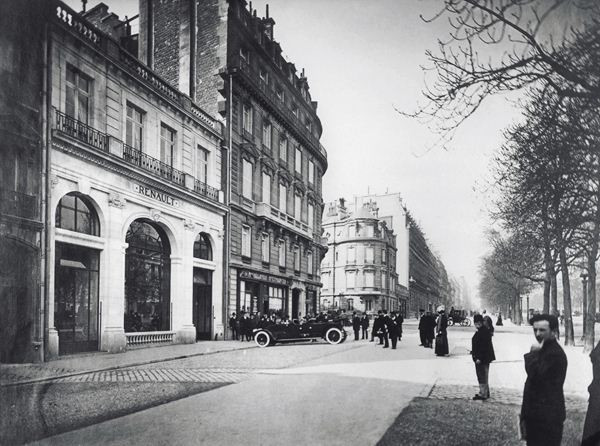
(135, 205)
(359, 269)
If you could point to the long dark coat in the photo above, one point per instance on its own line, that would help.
(482, 347)
(364, 322)
(591, 429)
(543, 398)
(392, 327)
(356, 323)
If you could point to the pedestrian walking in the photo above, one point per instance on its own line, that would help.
(543, 408)
(355, 325)
(591, 428)
(441, 338)
(482, 351)
(233, 326)
(499, 320)
(399, 321)
(393, 330)
(364, 324)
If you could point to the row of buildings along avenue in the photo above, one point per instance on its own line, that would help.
(162, 171)
(132, 161)
(379, 259)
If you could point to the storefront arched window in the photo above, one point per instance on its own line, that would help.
(75, 213)
(147, 278)
(76, 277)
(202, 247)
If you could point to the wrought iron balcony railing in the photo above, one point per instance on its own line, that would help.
(81, 131)
(206, 190)
(153, 165)
(100, 141)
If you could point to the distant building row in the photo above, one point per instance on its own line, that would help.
(379, 259)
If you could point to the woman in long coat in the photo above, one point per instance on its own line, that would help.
(441, 339)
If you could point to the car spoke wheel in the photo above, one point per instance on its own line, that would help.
(450, 322)
(262, 339)
(334, 336)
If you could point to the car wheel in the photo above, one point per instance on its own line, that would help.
(334, 336)
(450, 322)
(262, 339)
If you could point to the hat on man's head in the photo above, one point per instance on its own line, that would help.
(477, 318)
(441, 308)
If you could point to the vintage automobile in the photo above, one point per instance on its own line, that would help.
(331, 331)
(459, 317)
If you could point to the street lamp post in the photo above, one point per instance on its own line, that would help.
(584, 309)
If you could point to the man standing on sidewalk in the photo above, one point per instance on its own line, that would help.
(482, 352)
(364, 323)
(543, 409)
(356, 325)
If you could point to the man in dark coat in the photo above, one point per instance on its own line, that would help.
(591, 429)
(364, 323)
(393, 329)
(378, 327)
(543, 408)
(384, 330)
(233, 326)
(482, 351)
(355, 325)
(399, 321)
(430, 329)
(423, 329)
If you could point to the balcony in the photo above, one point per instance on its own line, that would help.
(81, 131)
(275, 103)
(272, 213)
(98, 141)
(70, 20)
(152, 165)
(18, 204)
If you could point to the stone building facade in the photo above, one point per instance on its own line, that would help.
(134, 205)
(22, 181)
(359, 269)
(275, 160)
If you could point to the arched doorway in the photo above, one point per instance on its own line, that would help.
(76, 277)
(147, 278)
(203, 309)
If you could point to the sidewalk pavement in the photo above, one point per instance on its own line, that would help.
(73, 365)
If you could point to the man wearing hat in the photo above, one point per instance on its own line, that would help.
(482, 351)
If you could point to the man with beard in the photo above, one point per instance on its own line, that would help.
(543, 408)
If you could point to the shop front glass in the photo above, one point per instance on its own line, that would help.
(147, 278)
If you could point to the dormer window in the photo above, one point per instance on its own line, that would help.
(280, 94)
(295, 110)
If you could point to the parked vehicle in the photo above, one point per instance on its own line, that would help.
(331, 331)
(459, 317)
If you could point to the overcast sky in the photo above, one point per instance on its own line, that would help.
(362, 59)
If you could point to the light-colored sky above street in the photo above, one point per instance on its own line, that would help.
(363, 59)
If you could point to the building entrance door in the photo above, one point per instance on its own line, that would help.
(203, 313)
(76, 298)
(295, 302)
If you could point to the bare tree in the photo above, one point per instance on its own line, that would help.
(536, 51)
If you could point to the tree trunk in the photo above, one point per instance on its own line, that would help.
(564, 268)
(590, 318)
(518, 309)
(554, 295)
(548, 278)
